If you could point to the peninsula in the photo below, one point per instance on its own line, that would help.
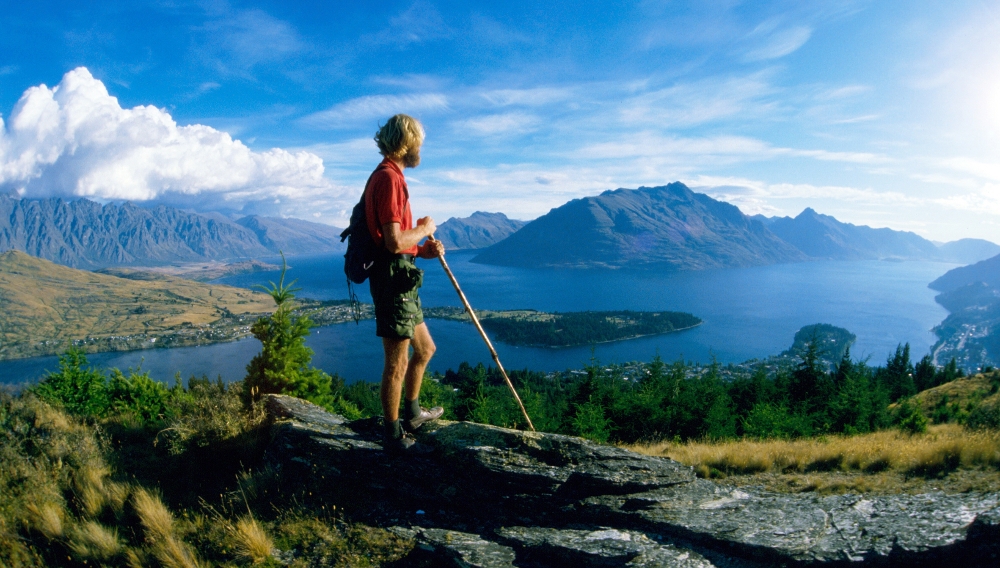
(48, 308)
(531, 328)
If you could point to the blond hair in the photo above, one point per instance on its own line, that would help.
(400, 134)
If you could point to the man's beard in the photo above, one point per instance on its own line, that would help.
(412, 158)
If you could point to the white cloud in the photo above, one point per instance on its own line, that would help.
(845, 92)
(699, 102)
(771, 41)
(527, 97)
(499, 124)
(235, 42)
(972, 166)
(419, 23)
(375, 107)
(75, 140)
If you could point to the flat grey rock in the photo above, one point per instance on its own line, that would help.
(466, 550)
(489, 496)
(600, 547)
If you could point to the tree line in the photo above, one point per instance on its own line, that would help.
(682, 401)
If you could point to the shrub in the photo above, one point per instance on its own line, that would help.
(590, 422)
(910, 418)
(986, 414)
(78, 388)
(139, 397)
(768, 420)
(283, 365)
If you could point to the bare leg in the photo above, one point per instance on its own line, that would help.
(393, 373)
(423, 350)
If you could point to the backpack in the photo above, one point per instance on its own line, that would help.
(361, 248)
(360, 256)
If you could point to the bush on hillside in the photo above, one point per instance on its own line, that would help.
(909, 418)
(986, 414)
(138, 397)
(284, 364)
(77, 387)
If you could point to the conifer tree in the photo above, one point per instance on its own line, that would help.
(897, 375)
(283, 364)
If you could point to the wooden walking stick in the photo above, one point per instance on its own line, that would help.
(482, 333)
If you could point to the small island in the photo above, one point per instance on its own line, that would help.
(531, 328)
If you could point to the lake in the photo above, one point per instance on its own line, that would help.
(747, 312)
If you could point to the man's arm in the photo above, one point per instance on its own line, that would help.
(398, 240)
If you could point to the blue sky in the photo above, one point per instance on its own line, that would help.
(879, 113)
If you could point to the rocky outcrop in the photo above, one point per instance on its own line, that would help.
(491, 496)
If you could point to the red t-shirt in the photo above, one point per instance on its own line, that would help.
(387, 200)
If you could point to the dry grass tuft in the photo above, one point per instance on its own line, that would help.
(154, 515)
(252, 542)
(47, 519)
(91, 540)
(158, 523)
(173, 553)
(89, 488)
(116, 494)
(942, 449)
(49, 418)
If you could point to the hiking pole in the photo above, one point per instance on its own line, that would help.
(482, 333)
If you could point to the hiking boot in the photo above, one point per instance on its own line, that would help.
(407, 445)
(426, 415)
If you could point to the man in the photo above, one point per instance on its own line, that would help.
(394, 281)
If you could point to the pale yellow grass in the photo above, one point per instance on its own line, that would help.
(252, 542)
(158, 523)
(174, 553)
(46, 518)
(89, 487)
(941, 449)
(91, 540)
(153, 514)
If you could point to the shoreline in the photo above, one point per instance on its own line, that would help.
(227, 330)
(608, 340)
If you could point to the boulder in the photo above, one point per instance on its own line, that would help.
(492, 496)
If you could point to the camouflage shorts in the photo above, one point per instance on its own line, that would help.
(394, 285)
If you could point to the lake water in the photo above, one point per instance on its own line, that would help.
(747, 312)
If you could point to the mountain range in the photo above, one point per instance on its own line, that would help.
(85, 234)
(672, 226)
(824, 237)
(667, 226)
(477, 231)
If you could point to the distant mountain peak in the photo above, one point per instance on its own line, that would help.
(477, 231)
(668, 225)
(823, 236)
